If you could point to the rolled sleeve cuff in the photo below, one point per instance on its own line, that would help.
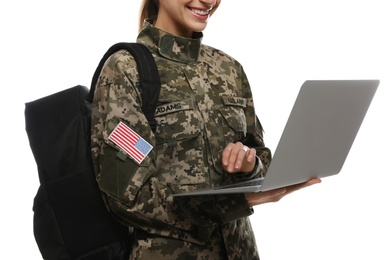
(257, 171)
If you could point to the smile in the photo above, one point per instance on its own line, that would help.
(200, 12)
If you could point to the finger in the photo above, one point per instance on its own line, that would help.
(265, 197)
(234, 155)
(226, 154)
(277, 194)
(296, 187)
(229, 156)
(250, 155)
(241, 154)
(274, 193)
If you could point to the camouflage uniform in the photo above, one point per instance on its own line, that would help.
(205, 103)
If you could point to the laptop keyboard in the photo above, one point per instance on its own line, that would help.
(254, 182)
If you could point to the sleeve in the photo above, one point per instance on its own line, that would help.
(119, 174)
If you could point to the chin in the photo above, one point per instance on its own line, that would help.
(199, 28)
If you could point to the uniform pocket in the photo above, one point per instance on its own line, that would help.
(176, 121)
(234, 127)
(179, 143)
(122, 179)
(231, 122)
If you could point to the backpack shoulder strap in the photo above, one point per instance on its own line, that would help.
(148, 74)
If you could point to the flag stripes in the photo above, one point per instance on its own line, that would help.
(129, 141)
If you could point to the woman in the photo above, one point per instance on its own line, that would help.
(207, 134)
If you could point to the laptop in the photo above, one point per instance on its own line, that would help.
(317, 138)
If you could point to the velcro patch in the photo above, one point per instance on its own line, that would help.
(234, 101)
(130, 142)
(172, 107)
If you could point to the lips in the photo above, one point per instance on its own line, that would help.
(200, 12)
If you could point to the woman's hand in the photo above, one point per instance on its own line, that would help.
(237, 157)
(277, 194)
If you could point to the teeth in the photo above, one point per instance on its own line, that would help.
(200, 12)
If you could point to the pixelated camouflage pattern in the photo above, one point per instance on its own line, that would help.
(205, 103)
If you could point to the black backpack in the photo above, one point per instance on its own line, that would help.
(71, 220)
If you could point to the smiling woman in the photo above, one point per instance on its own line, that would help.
(48, 46)
(207, 134)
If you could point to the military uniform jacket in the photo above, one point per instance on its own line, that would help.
(205, 103)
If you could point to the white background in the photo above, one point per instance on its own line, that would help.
(47, 46)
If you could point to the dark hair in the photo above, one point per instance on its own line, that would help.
(149, 9)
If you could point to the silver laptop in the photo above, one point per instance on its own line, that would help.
(317, 138)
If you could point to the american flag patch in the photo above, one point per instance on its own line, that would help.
(130, 142)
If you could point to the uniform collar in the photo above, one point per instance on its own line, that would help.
(180, 49)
